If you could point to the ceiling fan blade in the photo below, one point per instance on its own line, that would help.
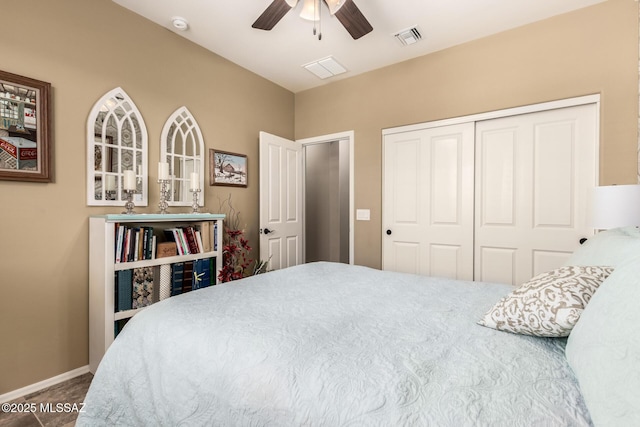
(353, 20)
(272, 15)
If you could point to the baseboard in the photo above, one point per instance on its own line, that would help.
(7, 397)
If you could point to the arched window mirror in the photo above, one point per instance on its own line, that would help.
(116, 142)
(182, 146)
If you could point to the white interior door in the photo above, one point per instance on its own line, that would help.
(280, 201)
(533, 174)
(427, 213)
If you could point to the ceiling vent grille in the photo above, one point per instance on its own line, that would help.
(325, 68)
(408, 36)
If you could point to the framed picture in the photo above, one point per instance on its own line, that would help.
(26, 140)
(227, 168)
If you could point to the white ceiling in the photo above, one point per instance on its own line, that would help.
(224, 27)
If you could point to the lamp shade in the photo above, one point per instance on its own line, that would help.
(310, 10)
(615, 206)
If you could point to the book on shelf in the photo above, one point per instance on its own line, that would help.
(143, 244)
(208, 267)
(164, 289)
(205, 230)
(153, 246)
(119, 239)
(202, 273)
(165, 249)
(135, 252)
(123, 289)
(187, 277)
(198, 275)
(126, 245)
(177, 271)
(184, 242)
(148, 243)
(142, 292)
(199, 242)
(190, 238)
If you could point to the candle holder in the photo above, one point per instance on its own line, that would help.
(129, 205)
(195, 206)
(164, 195)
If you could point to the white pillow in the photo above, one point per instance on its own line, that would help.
(609, 247)
(604, 349)
(548, 305)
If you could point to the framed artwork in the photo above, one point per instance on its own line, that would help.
(26, 139)
(227, 168)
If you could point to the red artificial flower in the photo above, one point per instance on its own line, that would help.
(234, 256)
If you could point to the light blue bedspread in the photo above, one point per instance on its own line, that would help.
(328, 344)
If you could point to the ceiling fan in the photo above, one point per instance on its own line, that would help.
(345, 10)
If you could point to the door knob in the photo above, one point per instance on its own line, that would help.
(267, 231)
(388, 232)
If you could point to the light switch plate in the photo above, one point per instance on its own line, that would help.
(363, 214)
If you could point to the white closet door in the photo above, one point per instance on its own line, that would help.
(428, 202)
(533, 173)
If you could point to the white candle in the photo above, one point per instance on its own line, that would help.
(110, 183)
(163, 170)
(129, 180)
(195, 181)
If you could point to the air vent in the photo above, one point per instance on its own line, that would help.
(325, 68)
(408, 36)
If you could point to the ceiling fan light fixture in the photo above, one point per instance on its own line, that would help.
(310, 10)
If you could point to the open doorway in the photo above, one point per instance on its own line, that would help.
(328, 198)
(326, 201)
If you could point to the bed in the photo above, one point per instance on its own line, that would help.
(326, 344)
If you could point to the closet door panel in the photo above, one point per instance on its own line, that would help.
(445, 185)
(546, 260)
(496, 157)
(554, 167)
(403, 187)
(497, 264)
(406, 256)
(554, 153)
(428, 201)
(406, 165)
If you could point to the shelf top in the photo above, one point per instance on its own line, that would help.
(160, 217)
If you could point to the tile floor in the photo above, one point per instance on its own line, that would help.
(69, 392)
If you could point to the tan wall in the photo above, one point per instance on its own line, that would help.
(589, 51)
(84, 49)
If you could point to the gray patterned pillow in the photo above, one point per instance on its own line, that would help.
(548, 305)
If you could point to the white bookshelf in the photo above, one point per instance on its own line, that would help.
(103, 266)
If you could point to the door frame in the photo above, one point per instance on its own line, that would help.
(349, 136)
